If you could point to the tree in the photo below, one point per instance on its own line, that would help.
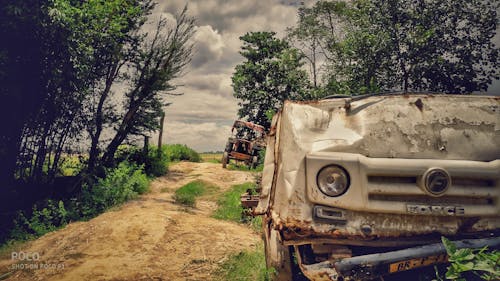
(270, 75)
(317, 33)
(22, 32)
(422, 45)
(58, 64)
(159, 61)
(111, 54)
(82, 45)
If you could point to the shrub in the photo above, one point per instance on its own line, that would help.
(71, 165)
(98, 194)
(179, 152)
(154, 164)
(157, 166)
(123, 183)
(465, 264)
(52, 216)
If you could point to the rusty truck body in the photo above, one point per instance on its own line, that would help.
(348, 178)
(245, 143)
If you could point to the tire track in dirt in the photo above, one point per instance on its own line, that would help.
(150, 238)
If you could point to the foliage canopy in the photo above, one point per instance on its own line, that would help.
(270, 74)
(424, 45)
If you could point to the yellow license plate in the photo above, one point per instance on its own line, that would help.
(414, 263)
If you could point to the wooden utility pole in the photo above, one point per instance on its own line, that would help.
(161, 133)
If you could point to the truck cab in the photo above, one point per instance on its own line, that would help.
(355, 188)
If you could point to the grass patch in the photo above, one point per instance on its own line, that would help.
(244, 167)
(230, 209)
(211, 157)
(229, 206)
(187, 194)
(245, 266)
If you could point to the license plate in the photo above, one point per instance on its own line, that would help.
(414, 263)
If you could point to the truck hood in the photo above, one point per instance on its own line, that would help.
(399, 126)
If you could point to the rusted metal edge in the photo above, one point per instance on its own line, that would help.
(249, 201)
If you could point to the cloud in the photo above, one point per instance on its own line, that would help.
(207, 136)
(203, 115)
(208, 46)
(201, 106)
(218, 84)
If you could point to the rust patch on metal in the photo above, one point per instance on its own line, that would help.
(245, 144)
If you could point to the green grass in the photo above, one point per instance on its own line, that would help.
(243, 167)
(187, 194)
(229, 206)
(211, 157)
(230, 209)
(245, 266)
(71, 165)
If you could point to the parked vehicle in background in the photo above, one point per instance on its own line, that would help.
(245, 144)
(346, 179)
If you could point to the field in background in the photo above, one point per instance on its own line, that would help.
(211, 157)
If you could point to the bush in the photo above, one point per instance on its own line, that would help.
(71, 165)
(180, 152)
(467, 264)
(40, 221)
(154, 164)
(120, 184)
(123, 183)
(187, 194)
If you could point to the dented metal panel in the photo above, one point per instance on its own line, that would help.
(391, 137)
(417, 167)
(270, 168)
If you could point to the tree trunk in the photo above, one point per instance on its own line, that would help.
(145, 149)
(160, 135)
(121, 134)
(315, 74)
(99, 120)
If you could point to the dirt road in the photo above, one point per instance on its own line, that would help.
(150, 238)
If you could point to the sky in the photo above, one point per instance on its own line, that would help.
(202, 117)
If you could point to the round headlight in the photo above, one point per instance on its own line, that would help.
(333, 180)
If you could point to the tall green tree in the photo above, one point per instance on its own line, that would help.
(318, 33)
(421, 45)
(24, 28)
(159, 61)
(59, 63)
(270, 74)
(86, 44)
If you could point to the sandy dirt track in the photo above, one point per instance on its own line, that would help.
(150, 238)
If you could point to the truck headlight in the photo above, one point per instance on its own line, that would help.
(333, 180)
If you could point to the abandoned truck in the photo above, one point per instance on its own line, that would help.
(359, 187)
(245, 143)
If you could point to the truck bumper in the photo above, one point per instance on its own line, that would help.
(371, 266)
